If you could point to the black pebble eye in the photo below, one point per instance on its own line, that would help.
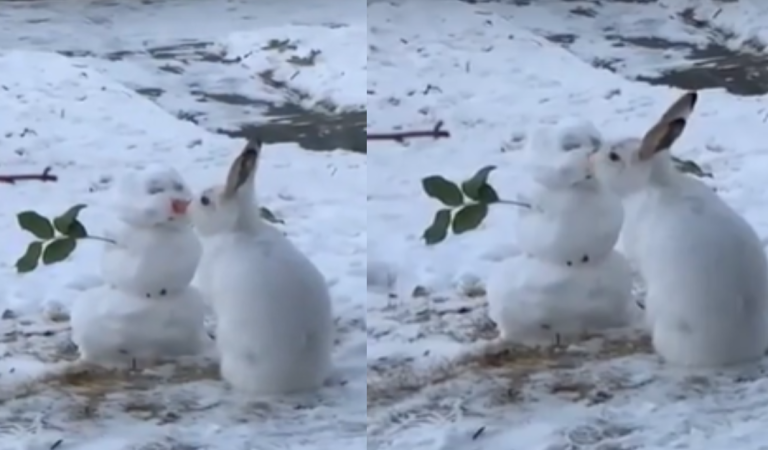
(613, 156)
(205, 200)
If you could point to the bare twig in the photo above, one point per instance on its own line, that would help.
(44, 177)
(436, 133)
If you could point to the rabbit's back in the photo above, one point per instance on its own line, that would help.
(273, 310)
(706, 273)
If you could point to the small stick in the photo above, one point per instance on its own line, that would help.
(44, 177)
(436, 133)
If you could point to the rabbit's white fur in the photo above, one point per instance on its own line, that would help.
(532, 300)
(146, 308)
(704, 265)
(155, 248)
(573, 217)
(111, 327)
(273, 308)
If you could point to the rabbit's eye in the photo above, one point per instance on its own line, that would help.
(155, 190)
(205, 200)
(613, 156)
(178, 187)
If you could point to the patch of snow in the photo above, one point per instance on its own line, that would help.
(632, 38)
(492, 81)
(739, 23)
(171, 50)
(89, 129)
(640, 39)
(322, 65)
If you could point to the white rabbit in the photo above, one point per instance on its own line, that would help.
(535, 302)
(275, 327)
(156, 248)
(146, 309)
(573, 219)
(703, 264)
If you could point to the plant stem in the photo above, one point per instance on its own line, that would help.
(515, 203)
(99, 238)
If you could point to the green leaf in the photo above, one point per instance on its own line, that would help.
(438, 231)
(269, 216)
(445, 191)
(29, 261)
(487, 194)
(474, 187)
(68, 225)
(59, 250)
(36, 224)
(75, 230)
(469, 217)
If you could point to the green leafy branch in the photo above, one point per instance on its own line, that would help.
(56, 238)
(460, 215)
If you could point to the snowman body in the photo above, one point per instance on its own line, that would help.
(111, 326)
(146, 309)
(568, 279)
(147, 261)
(535, 302)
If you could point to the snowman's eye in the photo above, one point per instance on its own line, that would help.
(205, 200)
(178, 187)
(613, 156)
(155, 190)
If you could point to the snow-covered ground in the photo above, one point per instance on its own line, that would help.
(490, 79)
(639, 39)
(90, 128)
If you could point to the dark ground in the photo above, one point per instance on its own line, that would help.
(740, 72)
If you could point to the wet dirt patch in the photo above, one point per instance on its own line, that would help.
(739, 73)
(321, 129)
(695, 54)
(742, 71)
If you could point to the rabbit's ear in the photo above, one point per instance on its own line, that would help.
(661, 137)
(682, 108)
(243, 169)
(670, 126)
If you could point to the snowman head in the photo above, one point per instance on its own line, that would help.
(561, 156)
(154, 196)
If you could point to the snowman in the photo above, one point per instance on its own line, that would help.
(568, 280)
(146, 310)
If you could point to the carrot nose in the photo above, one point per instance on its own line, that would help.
(179, 207)
(591, 163)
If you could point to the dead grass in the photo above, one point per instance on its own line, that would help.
(85, 389)
(512, 367)
(94, 382)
